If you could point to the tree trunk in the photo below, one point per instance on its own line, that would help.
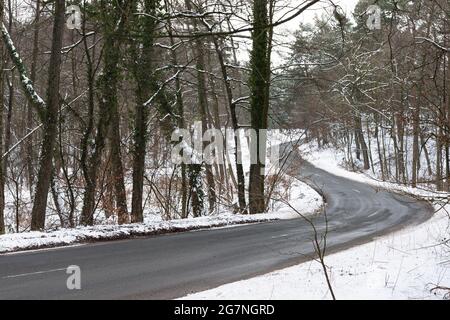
(259, 71)
(50, 125)
(11, 95)
(379, 150)
(395, 144)
(401, 146)
(180, 122)
(116, 162)
(113, 21)
(362, 142)
(439, 185)
(427, 155)
(447, 100)
(9, 116)
(2, 176)
(235, 124)
(416, 133)
(357, 145)
(203, 104)
(29, 148)
(369, 147)
(143, 52)
(140, 141)
(197, 194)
(88, 173)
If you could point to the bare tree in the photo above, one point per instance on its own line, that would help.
(2, 174)
(50, 121)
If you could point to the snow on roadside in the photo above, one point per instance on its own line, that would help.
(407, 264)
(403, 265)
(330, 160)
(304, 199)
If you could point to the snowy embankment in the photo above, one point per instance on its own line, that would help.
(330, 160)
(413, 263)
(306, 201)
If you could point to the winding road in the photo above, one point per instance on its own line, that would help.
(171, 266)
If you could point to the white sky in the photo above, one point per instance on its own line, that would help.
(323, 7)
(319, 8)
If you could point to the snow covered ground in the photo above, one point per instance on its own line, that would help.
(304, 199)
(407, 264)
(331, 160)
(404, 265)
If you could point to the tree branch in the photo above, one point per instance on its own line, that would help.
(28, 87)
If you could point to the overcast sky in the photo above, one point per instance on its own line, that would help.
(287, 29)
(347, 5)
(321, 8)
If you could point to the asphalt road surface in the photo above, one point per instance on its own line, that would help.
(171, 266)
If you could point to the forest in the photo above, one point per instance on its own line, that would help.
(95, 95)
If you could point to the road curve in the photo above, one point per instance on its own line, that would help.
(170, 266)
